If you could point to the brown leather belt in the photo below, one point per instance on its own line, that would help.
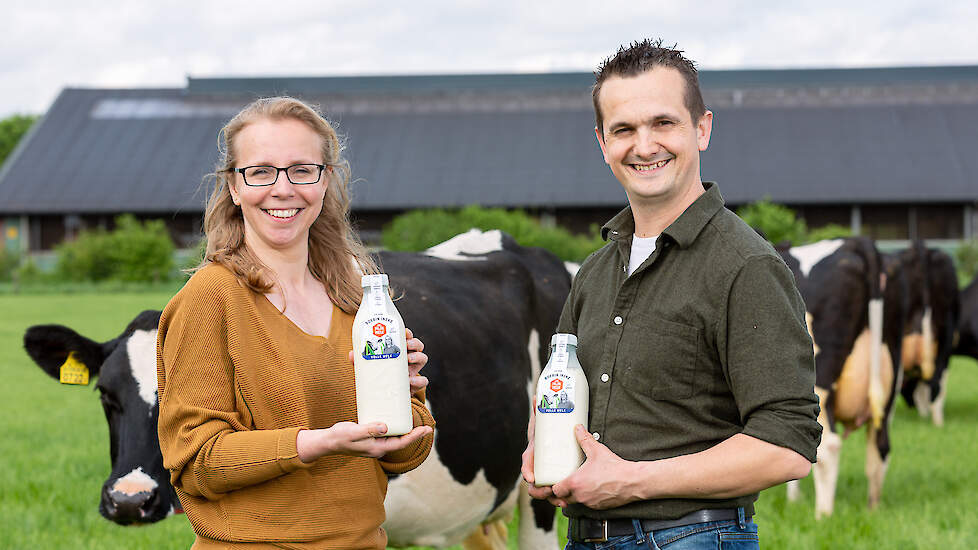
(599, 530)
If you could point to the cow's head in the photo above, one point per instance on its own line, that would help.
(138, 489)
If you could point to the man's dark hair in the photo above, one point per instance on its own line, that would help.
(643, 56)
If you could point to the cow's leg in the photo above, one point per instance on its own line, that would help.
(488, 536)
(538, 521)
(937, 405)
(827, 465)
(793, 490)
(877, 459)
(921, 398)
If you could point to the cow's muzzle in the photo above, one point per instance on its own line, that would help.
(124, 508)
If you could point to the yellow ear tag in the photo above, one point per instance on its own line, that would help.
(74, 371)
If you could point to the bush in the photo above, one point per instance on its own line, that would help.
(8, 265)
(133, 252)
(826, 232)
(966, 258)
(421, 229)
(776, 222)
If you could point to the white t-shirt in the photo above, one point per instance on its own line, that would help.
(642, 248)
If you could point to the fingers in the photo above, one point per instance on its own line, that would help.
(413, 344)
(416, 362)
(585, 440)
(376, 429)
(418, 383)
(416, 359)
(526, 468)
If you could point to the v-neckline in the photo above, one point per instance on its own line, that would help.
(328, 337)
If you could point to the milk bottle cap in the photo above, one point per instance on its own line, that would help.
(374, 280)
(562, 338)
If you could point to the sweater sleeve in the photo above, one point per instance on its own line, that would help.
(207, 442)
(412, 456)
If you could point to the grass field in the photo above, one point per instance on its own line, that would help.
(54, 457)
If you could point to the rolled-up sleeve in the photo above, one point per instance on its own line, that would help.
(766, 353)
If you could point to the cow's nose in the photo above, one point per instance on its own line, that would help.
(129, 508)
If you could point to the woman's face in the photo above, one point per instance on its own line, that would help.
(277, 217)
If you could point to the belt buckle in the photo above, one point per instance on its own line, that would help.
(604, 536)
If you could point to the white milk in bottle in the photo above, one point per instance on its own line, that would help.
(561, 403)
(380, 359)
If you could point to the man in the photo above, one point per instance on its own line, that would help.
(691, 332)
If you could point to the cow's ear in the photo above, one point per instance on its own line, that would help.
(49, 346)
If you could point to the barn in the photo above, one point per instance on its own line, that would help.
(886, 151)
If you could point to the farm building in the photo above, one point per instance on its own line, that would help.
(887, 151)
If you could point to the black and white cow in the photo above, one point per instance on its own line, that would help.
(855, 318)
(932, 319)
(138, 488)
(481, 303)
(967, 341)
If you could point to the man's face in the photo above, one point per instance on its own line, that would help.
(649, 138)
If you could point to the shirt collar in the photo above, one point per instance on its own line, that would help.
(686, 227)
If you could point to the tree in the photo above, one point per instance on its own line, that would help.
(12, 129)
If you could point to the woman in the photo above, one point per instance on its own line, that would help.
(255, 366)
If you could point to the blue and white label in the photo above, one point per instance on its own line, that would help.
(379, 338)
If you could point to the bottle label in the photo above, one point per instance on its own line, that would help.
(558, 385)
(380, 334)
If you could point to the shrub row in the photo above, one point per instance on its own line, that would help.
(421, 229)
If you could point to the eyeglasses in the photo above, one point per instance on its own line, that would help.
(298, 174)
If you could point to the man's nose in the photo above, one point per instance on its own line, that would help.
(646, 145)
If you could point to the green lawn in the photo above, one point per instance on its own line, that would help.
(54, 457)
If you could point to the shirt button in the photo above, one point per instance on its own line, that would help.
(605, 377)
(617, 319)
(596, 436)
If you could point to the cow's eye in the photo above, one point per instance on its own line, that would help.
(110, 403)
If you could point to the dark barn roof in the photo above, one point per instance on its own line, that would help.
(798, 136)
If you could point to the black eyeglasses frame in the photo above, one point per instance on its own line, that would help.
(278, 171)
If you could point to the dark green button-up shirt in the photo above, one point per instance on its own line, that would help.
(706, 339)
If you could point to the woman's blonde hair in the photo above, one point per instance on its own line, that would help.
(337, 258)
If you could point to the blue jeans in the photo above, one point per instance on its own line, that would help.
(714, 535)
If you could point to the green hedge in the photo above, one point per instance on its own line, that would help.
(132, 252)
(421, 229)
(779, 224)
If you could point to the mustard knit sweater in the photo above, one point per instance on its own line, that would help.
(237, 381)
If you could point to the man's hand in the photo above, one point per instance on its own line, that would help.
(603, 481)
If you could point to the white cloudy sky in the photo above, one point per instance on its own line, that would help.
(47, 45)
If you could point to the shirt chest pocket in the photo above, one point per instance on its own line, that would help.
(659, 357)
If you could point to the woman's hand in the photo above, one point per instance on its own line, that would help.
(416, 361)
(349, 438)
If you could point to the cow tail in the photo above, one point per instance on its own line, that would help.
(929, 352)
(875, 283)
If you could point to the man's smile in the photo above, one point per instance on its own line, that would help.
(650, 167)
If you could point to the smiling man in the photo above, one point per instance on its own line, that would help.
(691, 332)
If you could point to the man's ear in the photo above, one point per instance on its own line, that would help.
(600, 137)
(703, 130)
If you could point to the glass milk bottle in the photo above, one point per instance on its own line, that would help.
(561, 403)
(380, 359)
